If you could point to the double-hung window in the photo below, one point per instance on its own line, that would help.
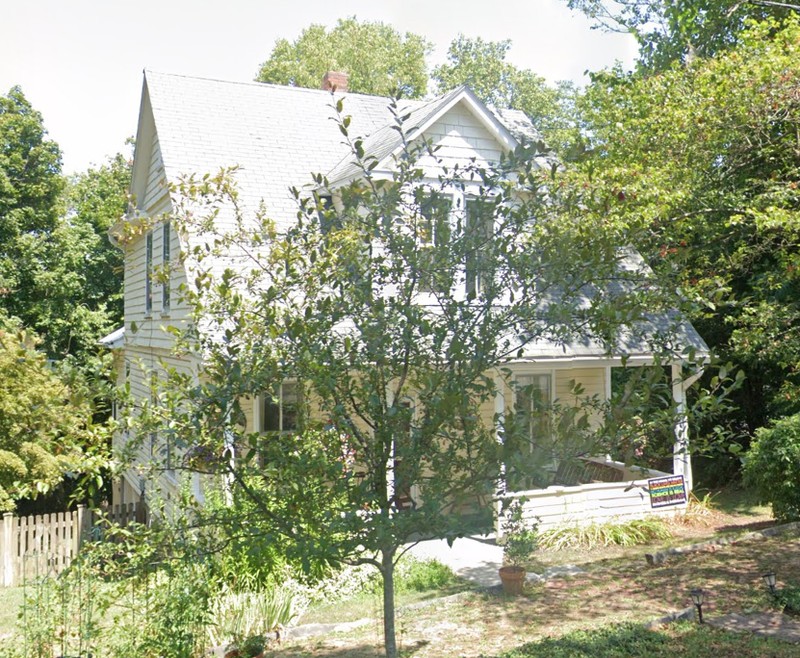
(280, 412)
(478, 232)
(533, 397)
(433, 232)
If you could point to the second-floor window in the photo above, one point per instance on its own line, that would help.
(433, 230)
(478, 230)
(165, 249)
(148, 273)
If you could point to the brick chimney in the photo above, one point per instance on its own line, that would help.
(334, 81)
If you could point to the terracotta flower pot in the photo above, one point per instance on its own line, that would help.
(513, 580)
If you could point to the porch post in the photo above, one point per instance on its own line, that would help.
(681, 459)
(499, 414)
(230, 451)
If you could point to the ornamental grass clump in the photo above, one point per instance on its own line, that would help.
(591, 535)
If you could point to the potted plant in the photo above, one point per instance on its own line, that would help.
(521, 539)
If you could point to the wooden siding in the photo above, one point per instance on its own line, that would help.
(142, 362)
(587, 503)
(150, 328)
(460, 137)
(156, 186)
(592, 380)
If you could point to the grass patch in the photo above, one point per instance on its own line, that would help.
(634, 641)
(739, 501)
(628, 533)
(423, 576)
(10, 604)
(415, 581)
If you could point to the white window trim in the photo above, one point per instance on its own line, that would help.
(258, 410)
(527, 372)
(459, 193)
(148, 274)
(166, 264)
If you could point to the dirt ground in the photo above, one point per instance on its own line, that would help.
(618, 586)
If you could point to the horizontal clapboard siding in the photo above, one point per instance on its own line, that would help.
(588, 503)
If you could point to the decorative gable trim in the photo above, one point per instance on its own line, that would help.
(385, 144)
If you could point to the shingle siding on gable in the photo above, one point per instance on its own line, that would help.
(460, 138)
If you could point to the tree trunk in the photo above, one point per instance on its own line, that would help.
(387, 571)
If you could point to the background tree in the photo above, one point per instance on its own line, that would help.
(378, 59)
(677, 30)
(483, 67)
(59, 274)
(45, 428)
(86, 267)
(30, 205)
(706, 154)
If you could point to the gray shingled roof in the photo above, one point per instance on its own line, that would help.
(278, 136)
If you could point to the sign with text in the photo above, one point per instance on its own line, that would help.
(666, 491)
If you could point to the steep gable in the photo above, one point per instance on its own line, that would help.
(460, 127)
(279, 136)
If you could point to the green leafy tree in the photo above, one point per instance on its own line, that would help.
(362, 309)
(377, 58)
(45, 428)
(59, 274)
(678, 30)
(706, 156)
(772, 467)
(86, 268)
(483, 67)
(30, 189)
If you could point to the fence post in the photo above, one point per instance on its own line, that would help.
(6, 550)
(84, 520)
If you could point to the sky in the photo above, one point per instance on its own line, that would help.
(80, 62)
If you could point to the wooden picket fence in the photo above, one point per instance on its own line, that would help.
(47, 543)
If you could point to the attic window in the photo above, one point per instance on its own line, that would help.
(433, 230)
(434, 225)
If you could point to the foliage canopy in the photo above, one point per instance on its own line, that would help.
(705, 154)
(44, 431)
(377, 58)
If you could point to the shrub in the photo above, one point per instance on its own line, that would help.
(627, 533)
(788, 599)
(423, 575)
(521, 535)
(772, 467)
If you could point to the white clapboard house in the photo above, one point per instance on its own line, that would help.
(277, 136)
